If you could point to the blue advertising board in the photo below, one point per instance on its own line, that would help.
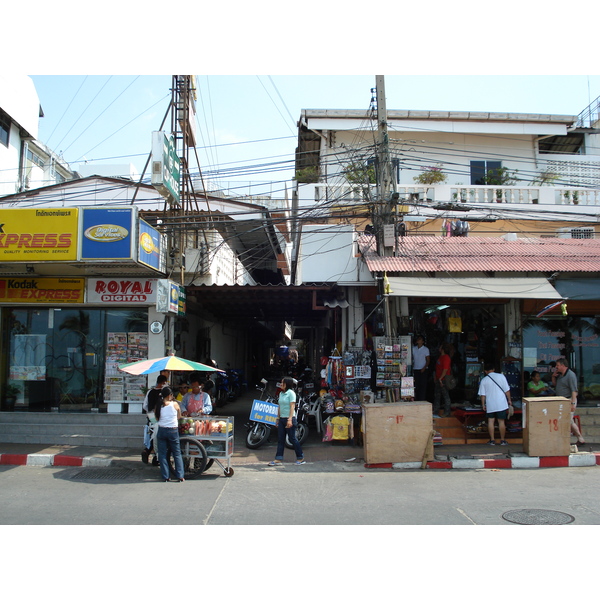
(264, 412)
(107, 234)
(149, 246)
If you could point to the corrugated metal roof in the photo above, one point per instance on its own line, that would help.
(471, 254)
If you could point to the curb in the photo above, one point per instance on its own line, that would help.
(54, 460)
(590, 459)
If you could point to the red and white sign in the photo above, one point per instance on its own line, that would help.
(121, 290)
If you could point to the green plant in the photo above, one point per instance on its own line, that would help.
(572, 195)
(431, 176)
(360, 174)
(12, 391)
(307, 175)
(546, 177)
(500, 176)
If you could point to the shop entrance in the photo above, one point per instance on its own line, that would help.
(476, 333)
(54, 358)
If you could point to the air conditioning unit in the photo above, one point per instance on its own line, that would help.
(577, 233)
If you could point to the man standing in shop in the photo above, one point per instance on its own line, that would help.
(565, 384)
(494, 392)
(421, 359)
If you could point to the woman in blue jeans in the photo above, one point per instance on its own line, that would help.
(286, 423)
(168, 413)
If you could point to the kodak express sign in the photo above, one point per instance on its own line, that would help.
(41, 290)
(38, 234)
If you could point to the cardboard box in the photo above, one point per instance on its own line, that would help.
(547, 426)
(397, 432)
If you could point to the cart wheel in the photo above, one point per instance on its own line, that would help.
(209, 464)
(228, 472)
(194, 457)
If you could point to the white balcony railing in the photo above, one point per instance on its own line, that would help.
(466, 194)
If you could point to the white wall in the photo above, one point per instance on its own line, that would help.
(327, 254)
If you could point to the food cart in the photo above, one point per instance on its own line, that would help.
(205, 440)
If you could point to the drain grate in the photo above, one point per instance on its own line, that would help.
(537, 516)
(102, 473)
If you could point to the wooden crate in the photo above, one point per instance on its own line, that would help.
(397, 432)
(547, 426)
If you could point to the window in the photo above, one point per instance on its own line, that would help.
(4, 128)
(482, 169)
(35, 159)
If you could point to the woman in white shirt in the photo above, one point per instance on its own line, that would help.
(168, 414)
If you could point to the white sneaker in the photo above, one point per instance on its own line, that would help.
(437, 417)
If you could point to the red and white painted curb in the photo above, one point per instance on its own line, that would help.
(583, 459)
(53, 460)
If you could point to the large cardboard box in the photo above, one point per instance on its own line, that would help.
(547, 426)
(397, 432)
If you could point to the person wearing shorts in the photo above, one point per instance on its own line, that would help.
(494, 392)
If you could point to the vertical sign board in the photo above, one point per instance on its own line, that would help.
(168, 296)
(166, 166)
(38, 234)
(107, 234)
(150, 246)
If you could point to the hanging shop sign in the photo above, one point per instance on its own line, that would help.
(33, 235)
(106, 233)
(150, 247)
(170, 297)
(115, 291)
(166, 166)
(42, 290)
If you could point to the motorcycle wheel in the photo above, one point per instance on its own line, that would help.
(257, 436)
(195, 459)
(301, 435)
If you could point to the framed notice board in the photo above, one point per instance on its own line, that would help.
(512, 370)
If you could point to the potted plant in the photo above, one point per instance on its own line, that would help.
(500, 176)
(431, 176)
(307, 175)
(10, 394)
(361, 177)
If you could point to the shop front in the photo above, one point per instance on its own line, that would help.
(56, 358)
(574, 336)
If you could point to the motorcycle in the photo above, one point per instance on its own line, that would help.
(259, 432)
(221, 390)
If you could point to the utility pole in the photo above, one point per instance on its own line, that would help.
(386, 183)
(385, 229)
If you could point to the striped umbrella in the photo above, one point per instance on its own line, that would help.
(165, 363)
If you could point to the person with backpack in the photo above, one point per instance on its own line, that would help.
(494, 391)
(150, 401)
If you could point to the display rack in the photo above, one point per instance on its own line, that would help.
(394, 367)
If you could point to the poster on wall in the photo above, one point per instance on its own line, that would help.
(27, 361)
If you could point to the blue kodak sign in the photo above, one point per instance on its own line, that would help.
(264, 412)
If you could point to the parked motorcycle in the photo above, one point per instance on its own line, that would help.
(259, 432)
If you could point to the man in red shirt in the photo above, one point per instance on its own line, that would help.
(443, 366)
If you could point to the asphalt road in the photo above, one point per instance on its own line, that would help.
(324, 493)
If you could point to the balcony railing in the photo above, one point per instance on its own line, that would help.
(466, 194)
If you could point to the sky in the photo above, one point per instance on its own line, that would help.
(247, 124)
